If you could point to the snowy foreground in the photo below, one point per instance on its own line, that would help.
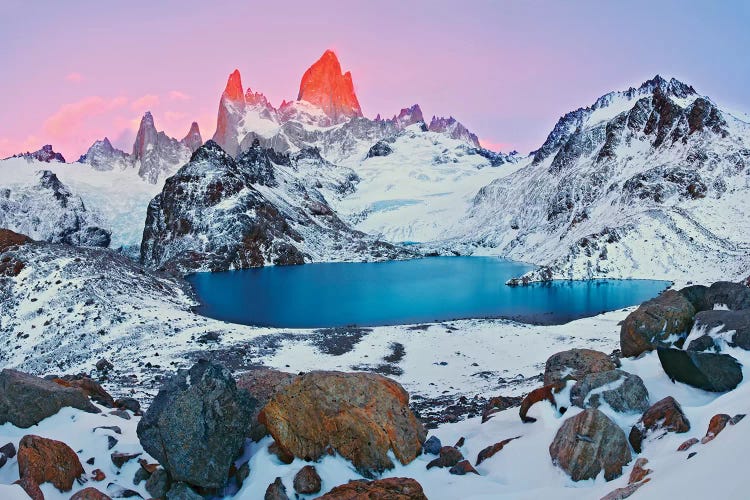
(522, 470)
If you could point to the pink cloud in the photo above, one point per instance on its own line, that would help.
(176, 95)
(145, 103)
(74, 77)
(496, 145)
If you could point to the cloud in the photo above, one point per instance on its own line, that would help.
(176, 95)
(495, 145)
(74, 77)
(145, 103)
(71, 116)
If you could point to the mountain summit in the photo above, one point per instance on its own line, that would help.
(324, 86)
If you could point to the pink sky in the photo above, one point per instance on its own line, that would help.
(76, 71)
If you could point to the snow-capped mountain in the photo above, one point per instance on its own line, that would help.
(643, 183)
(218, 213)
(46, 154)
(48, 211)
(103, 156)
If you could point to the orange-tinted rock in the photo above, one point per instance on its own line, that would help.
(90, 388)
(715, 426)
(324, 86)
(360, 415)
(688, 444)
(262, 384)
(665, 414)
(449, 456)
(639, 471)
(462, 468)
(624, 492)
(574, 364)
(393, 488)
(89, 494)
(492, 449)
(231, 112)
(98, 475)
(545, 393)
(42, 460)
(10, 239)
(655, 321)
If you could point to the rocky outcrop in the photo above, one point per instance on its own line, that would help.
(589, 443)
(574, 364)
(448, 456)
(665, 414)
(655, 321)
(193, 139)
(453, 129)
(705, 370)
(493, 449)
(155, 154)
(196, 425)
(361, 416)
(103, 156)
(324, 86)
(42, 460)
(89, 493)
(622, 391)
(46, 155)
(262, 384)
(392, 488)
(380, 148)
(716, 323)
(26, 400)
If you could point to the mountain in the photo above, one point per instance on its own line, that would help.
(46, 154)
(323, 85)
(639, 184)
(218, 213)
(155, 154)
(453, 129)
(193, 139)
(103, 156)
(48, 211)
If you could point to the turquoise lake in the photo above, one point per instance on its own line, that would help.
(403, 292)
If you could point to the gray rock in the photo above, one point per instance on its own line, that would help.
(575, 364)
(380, 148)
(696, 294)
(720, 321)
(432, 446)
(589, 443)
(704, 370)
(703, 343)
(735, 296)
(158, 484)
(182, 491)
(262, 384)
(196, 425)
(629, 394)
(26, 400)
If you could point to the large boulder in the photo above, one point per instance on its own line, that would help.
(717, 322)
(665, 414)
(590, 443)
(574, 364)
(26, 400)
(655, 321)
(42, 460)
(89, 387)
(733, 296)
(196, 425)
(392, 488)
(262, 384)
(362, 416)
(705, 370)
(622, 391)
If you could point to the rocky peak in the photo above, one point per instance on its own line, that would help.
(46, 154)
(155, 153)
(256, 99)
(193, 139)
(454, 129)
(102, 155)
(324, 86)
(408, 116)
(146, 136)
(231, 111)
(233, 91)
(672, 87)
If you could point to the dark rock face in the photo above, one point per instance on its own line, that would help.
(158, 483)
(362, 416)
(658, 184)
(257, 162)
(628, 395)
(664, 414)
(26, 400)
(46, 154)
(307, 481)
(276, 491)
(589, 443)
(719, 321)
(262, 384)
(432, 446)
(734, 296)
(155, 154)
(449, 456)
(197, 424)
(574, 364)
(655, 321)
(182, 491)
(380, 148)
(491, 450)
(392, 488)
(708, 371)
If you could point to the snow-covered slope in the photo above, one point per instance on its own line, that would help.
(646, 183)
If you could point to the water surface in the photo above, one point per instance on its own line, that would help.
(402, 292)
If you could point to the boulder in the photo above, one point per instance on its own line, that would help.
(276, 491)
(705, 370)
(89, 494)
(120, 459)
(639, 471)
(26, 400)
(359, 415)
(622, 391)
(696, 294)
(655, 321)
(574, 364)
(734, 296)
(158, 483)
(307, 481)
(262, 384)
(492, 449)
(432, 446)
(131, 404)
(589, 443)
(665, 414)
(392, 488)
(42, 460)
(715, 426)
(196, 425)
(89, 387)
(462, 468)
(497, 404)
(546, 393)
(182, 491)
(688, 444)
(449, 456)
(721, 321)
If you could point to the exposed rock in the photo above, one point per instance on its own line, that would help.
(26, 400)
(262, 384)
(688, 444)
(461, 441)
(574, 364)
(89, 387)
(449, 456)
(158, 483)
(704, 370)
(589, 443)
(360, 415)
(284, 456)
(453, 129)
(89, 494)
(45, 154)
(462, 468)
(734, 296)
(432, 446)
(196, 424)
(380, 148)
(665, 414)
(103, 156)
(715, 426)
(639, 471)
(193, 139)
(655, 321)
(541, 394)
(182, 491)
(98, 475)
(622, 391)
(307, 480)
(625, 491)
(155, 154)
(392, 488)
(42, 460)
(492, 449)
(276, 491)
(104, 366)
(130, 404)
(497, 404)
(324, 86)
(9, 450)
(719, 322)
(120, 459)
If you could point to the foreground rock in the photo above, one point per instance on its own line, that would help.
(665, 414)
(623, 391)
(196, 425)
(574, 364)
(307, 481)
(655, 321)
(361, 416)
(262, 384)
(26, 400)
(89, 494)
(705, 370)
(589, 443)
(546, 393)
(42, 460)
(393, 488)
(722, 322)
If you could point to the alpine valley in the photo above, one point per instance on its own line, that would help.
(111, 378)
